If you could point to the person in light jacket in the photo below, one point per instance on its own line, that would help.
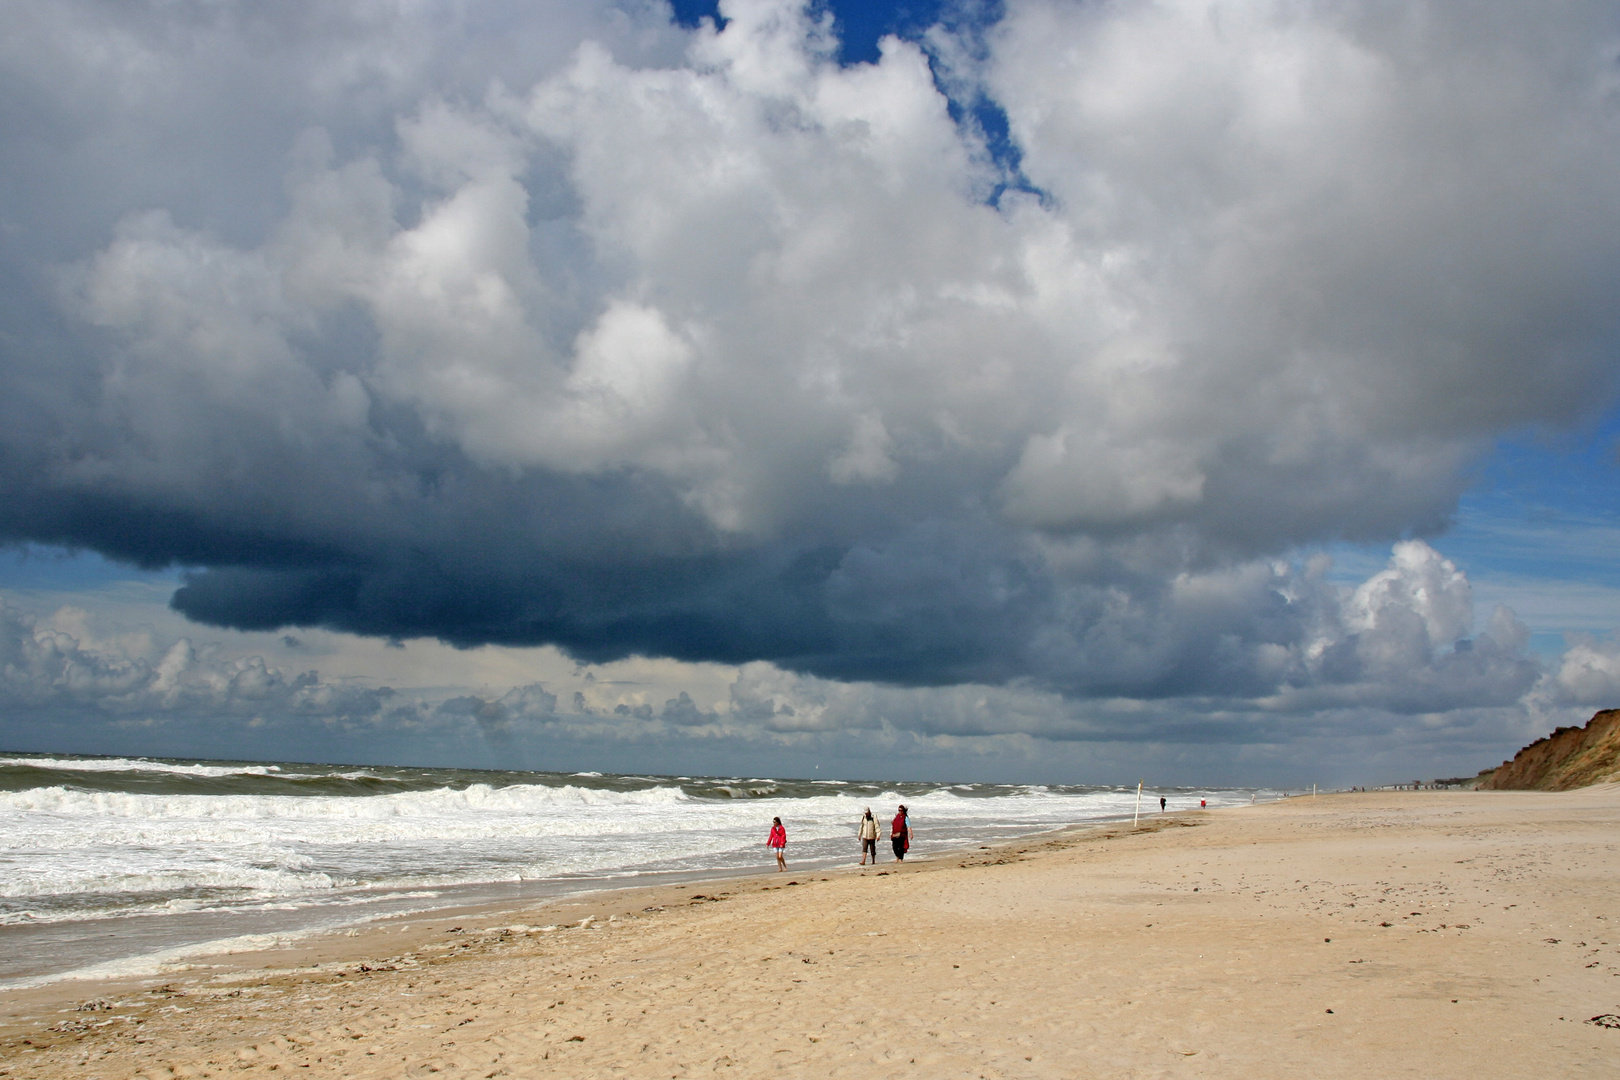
(869, 835)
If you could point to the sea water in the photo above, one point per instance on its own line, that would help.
(117, 866)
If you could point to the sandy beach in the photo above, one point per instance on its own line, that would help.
(1430, 934)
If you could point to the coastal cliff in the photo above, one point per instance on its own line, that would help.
(1570, 757)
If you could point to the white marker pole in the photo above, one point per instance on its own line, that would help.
(1138, 813)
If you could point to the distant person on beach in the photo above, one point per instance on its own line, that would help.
(869, 835)
(900, 833)
(1161, 804)
(777, 842)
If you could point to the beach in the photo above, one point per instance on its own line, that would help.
(1362, 935)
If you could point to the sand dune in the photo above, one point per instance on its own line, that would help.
(1430, 934)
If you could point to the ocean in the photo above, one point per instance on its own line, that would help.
(119, 866)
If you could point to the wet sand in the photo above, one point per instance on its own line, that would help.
(1432, 934)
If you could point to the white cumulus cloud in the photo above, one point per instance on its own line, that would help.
(694, 343)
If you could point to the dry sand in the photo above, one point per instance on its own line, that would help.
(1427, 934)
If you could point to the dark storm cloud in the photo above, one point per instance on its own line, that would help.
(510, 324)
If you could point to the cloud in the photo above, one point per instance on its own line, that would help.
(48, 670)
(1321, 662)
(639, 340)
(1588, 673)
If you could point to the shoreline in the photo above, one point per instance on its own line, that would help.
(324, 947)
(1373, 934)
(223, 859)
(474, 900)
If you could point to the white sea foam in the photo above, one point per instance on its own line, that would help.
(67, 853)
(141, 765)
(166, 961)
(470, 800)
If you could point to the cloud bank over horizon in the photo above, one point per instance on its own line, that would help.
(77, 679)
(525, 325)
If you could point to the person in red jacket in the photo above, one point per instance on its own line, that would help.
(777, 842)
(900, 833)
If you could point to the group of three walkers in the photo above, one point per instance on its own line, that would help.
(899, 837)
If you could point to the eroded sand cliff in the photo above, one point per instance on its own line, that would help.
(1569, 758)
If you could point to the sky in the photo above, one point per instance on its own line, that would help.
(1198, 391)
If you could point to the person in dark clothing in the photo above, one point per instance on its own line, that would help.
(1161, 804)
(900, 833)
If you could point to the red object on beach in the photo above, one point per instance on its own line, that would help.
(778, 837)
